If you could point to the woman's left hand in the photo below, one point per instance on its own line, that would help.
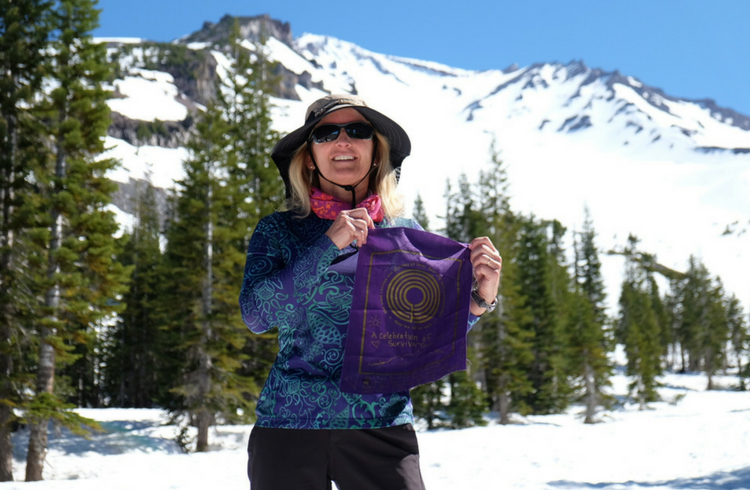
(486, 263)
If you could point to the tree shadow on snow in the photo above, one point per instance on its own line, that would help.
(117, 437)
(721, 480)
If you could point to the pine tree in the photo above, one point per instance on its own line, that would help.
(24, 30)
(427, 400)
(466, 406)
(661, 307)
(739, 336)
(694, 314)
(703, 329)
(716, 334)
(543, 280)
(453, 215)
(587, 323)
(505, 344)
(200, 249)
(420, 214)
(507, 347)
(244, 97)
(668, 321)
(228, 187)
(585, 346)
(463, 222)
(81, 281)
(590, 275)
(132, 352)
(638, 329)
(174, 301)
(562, 293)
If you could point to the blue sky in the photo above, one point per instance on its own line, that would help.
(689, 48)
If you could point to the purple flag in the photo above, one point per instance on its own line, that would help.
(410, 309)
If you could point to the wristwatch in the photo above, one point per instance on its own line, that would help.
(481, 302)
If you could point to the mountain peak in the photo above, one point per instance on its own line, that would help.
(251, 28)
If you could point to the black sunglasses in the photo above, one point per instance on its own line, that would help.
(330, 132)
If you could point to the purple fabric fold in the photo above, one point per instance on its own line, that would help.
(410, 309)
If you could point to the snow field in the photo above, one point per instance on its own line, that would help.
(693, 440)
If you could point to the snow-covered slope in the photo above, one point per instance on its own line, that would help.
(694, 439)
(674, 172)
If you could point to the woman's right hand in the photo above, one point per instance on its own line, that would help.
(350, 225)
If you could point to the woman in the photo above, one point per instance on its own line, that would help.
(340, 170)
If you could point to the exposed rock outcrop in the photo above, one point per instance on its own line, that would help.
(126, 198)
(251, 28)
(167, 134)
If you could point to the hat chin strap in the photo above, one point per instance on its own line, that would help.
(349, 187)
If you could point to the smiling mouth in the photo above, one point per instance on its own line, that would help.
(343, 158)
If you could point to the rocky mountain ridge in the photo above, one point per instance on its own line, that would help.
(674, 172)
(193, 68)
(254, 29)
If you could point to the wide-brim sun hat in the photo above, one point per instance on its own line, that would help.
(286, 147)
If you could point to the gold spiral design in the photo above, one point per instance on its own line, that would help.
(414, 296)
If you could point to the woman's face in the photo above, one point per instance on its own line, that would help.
(345, 160)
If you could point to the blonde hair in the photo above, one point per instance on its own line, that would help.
(382, 181)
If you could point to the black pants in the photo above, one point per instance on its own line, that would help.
(356, 459)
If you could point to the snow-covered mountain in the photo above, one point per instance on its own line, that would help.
(674, 172)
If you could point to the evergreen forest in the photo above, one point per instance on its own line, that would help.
(95, 316)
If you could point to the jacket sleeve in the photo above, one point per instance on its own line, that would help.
(473, 319)
(280, 274)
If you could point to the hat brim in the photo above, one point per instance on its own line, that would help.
(397, 138)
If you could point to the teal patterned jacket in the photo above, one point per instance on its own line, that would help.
(295, 281)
